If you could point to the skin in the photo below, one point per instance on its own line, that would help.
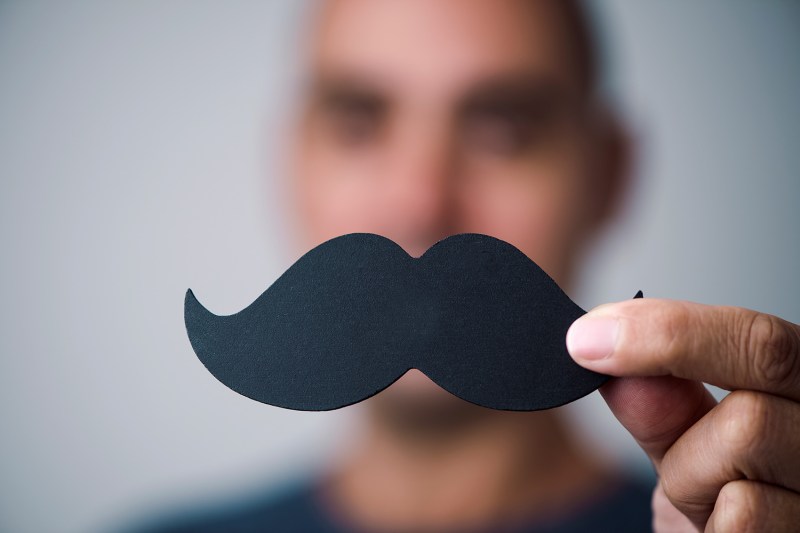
(731, 466)
(427, 118)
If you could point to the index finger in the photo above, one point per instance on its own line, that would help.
(729, 347)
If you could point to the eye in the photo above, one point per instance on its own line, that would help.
(353, 121)
(510, 122)
(504, 132)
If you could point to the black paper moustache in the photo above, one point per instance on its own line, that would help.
(355, 313)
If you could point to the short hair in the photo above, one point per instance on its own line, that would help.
(581, 29)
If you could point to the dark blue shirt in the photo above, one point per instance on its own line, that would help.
(623, 507)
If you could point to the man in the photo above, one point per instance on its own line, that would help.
(426, 118)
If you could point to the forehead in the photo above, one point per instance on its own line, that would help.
(438, 46)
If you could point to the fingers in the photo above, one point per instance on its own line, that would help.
(666, 518)
(657, 410)
(742, 506)
(729, 467)
(749, 436)
(729, 347)
(751, 506)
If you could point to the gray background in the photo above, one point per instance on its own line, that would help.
(138, 157)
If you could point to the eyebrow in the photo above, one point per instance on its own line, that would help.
(336, 90)
(519, 94)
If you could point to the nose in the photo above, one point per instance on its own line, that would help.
(422, 172)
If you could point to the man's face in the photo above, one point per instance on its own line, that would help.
(427, 118)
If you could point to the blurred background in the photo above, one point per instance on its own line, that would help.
(138, 157)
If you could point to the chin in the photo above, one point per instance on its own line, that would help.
(414, 403)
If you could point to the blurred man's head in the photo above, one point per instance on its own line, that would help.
(427, 118)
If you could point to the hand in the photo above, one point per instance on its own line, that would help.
(732, 466)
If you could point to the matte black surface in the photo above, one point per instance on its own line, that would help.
(356, 312)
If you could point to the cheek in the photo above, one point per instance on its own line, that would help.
(337, 194)
(536, 210)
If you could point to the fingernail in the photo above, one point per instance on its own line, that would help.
(592, 337)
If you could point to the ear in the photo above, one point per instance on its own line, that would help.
(613, 173)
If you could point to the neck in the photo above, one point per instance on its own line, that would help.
(499, 466)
